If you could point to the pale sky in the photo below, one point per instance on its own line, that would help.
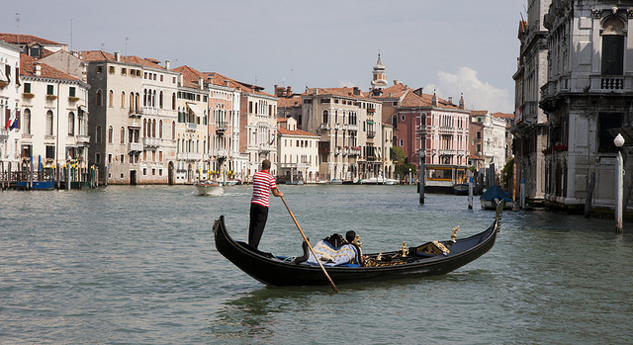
(454, 47)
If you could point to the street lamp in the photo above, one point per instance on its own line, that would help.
(409, 176)
(619, 184)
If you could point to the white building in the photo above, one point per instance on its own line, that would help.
(9, 106)
(54, 117)
(494, 148)
(298, 152)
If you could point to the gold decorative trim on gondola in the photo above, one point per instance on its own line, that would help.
(433, 248)
(372, 262)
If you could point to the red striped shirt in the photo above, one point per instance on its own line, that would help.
(263, 182)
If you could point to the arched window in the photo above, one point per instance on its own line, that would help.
(111, 98)
(71, 123)
(110, 134)
(99, 98)
(122, 99)
(145, 98)
(394, 121)
(145, 128)
(613, 47)
(122, 135)
(98, 134)
(49, 123)
(137, 103)
(131, 102)
(160, 100)
(173, 130)
(160, 129)
(173, 101)
(325, 116)
(27, 121)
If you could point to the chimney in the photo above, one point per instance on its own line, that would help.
(396, 82)
(434, 99)
(450, 100)
(462, 102)
(180, 79)
(117, 56)
(167, 64)
(38, 68)
(315, 92)
(201, 83)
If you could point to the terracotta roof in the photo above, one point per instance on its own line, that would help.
(339, 91)
(27, 68)
(221, 80)
(289, 102)
(284, 131)
(191, 76)
(282, 119)
(503, 115)
(14, 38)
(479, 112)
(99, 55)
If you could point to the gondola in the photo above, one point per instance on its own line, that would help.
(432, 258)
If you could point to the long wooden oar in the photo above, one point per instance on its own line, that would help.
(311, 249)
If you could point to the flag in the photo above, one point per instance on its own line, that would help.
(7, 119)
(15, 123)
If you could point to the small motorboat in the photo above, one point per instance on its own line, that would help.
(208, 187)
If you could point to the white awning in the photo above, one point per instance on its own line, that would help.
(195, 109)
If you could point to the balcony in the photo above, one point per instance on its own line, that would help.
(220, 153)
(446, 152)
(353, 127)
(371, 134)
(151, 142)
(220, 127)
(82, 139)
(264, 148)
(323, 126)
(134, 147)
(189, 156)
(192, 126)
(149, 111)
(135, 113)
(354, 151)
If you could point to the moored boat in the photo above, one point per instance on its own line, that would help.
(495, 196)
(431, 258)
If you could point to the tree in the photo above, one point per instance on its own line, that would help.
(507, 174)
(401, 162)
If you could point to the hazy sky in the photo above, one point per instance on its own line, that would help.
(461, 46)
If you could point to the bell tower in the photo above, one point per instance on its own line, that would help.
(379, 81)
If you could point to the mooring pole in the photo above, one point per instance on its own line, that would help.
(422, 174)
(470, 193)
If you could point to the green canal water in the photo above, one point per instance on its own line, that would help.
(138, 265)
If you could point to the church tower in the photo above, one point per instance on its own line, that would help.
(379, 81)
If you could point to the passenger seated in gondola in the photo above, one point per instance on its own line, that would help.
(334, 250)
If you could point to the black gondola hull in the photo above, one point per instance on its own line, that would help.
(272, 271)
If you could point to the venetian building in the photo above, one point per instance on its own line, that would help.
(192, 129)
(132, 103)
(530, 121)
(9, 107)
(349, 124)
(587, 100)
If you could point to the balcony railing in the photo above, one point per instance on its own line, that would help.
(189, 156)
(82, 139)
(221, 126)
(136, 113)
(134, 147)
(220, 153)
(192, 126)
(612, 83)
(371, 134)
(151, 142)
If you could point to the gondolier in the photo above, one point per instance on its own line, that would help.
(263, 184)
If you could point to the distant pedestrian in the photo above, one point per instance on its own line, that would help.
(263, 184)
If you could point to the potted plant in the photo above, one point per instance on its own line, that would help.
(73, 99)
(51, 97)
(28, 95)
(3, 84)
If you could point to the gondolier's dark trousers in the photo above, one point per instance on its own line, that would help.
(259, 215)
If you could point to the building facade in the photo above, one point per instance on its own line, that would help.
(53, 118)
(10, 103)
(133, 107)
(587, 100)
(298, 152)
(530, 127)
